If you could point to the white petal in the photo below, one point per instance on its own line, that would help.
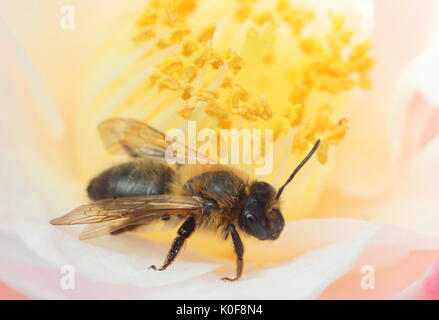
(302, 278)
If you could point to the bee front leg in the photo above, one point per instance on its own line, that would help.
(184, 232)
(239, 249)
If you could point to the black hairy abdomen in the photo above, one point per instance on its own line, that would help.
(136, 178)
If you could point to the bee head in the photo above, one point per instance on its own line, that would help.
(261, 216)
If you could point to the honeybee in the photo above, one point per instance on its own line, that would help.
(146, 189)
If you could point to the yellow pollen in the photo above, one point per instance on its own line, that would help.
(243, 13)
(214, 110)
(337, 134)
(216, 61)
(189, 47)
(172, 67)
(294, 114)
(268, 58)
(186, 7)
(169, 82)
(262, 18)
(202, 58)
(207, 34)
(207, 95)
(227, 83)
(190, 73)
(225, 123)
(262, 109)
(337, 21)
(186, 112)
(235, 62)
(279, 128)
(312, 46)
(360, 49)
(178, 35)
(322, 152)
(148, 18)
(187, 93)
(145, 35)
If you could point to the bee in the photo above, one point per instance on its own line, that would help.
(146, 189)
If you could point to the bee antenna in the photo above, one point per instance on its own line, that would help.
(308, 156)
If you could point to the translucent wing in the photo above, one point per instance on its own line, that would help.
(102, 228)
(109, 215)
(137, 139)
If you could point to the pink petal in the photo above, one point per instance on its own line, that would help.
(398, 259)
(430, 288)
(426, 288)
(7, 293)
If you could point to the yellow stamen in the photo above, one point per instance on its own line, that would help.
(206, 34)
(243, 13)
(294, 114)
(322, 152)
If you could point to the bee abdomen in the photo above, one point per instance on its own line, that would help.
(136, 178)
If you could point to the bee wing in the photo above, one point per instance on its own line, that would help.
(102, 228)
(147, 207)
(137, 139)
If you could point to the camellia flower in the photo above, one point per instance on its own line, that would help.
(305, 70)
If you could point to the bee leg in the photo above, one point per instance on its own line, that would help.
(184, 232)
(239, 249)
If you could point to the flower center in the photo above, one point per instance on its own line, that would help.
(262, 65)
